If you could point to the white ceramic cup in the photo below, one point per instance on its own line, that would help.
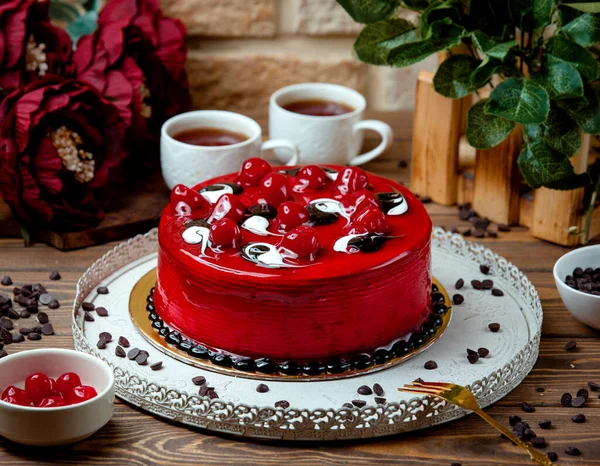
(334, 139)
(189, 164)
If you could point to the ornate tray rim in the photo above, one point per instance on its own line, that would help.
(319, 424)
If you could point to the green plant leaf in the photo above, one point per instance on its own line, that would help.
(571, 52)
(560, 79)
(449, 10)
(587, 7)
(369, 11)
(491, 16)
(585, 111)
(542, 13)
(417, 5)
(485, 130)
(453, 77)
(82, 26)
(542, 166)
(559, 131)
(441, 35)
(489, 67)
(492, 47)
(376, 40)
(585, 29)
(520, 100)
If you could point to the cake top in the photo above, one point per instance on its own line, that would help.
(311, 222)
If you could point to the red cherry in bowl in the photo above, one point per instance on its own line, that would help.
(186, 200)
(39, 386)
(291, 215)
(310, 177)
(52, 402)
(350, 180)
(370, 220)
(301, 241)
(225, 233)
(273, 189)
(81, 393)
(66, 382)
(16, 396)
(362, 199)
(228, 206)
(253, 171)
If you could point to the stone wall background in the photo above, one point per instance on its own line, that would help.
(241, 51)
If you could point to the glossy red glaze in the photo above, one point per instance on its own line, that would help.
(338, 304)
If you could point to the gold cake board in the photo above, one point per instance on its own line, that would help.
(139, 316)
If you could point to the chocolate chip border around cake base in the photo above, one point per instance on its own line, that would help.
(186, 349)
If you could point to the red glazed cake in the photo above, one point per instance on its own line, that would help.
(291, 270)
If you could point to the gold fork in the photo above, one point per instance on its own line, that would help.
(462, 397)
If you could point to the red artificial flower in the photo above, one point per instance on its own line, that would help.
(60, 141)
(30, 46)
(135, 58)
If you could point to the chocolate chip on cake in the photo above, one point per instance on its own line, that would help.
(102, 290)
(124, 342)
(156, 366)
(262, 388)
(88, 317)
(348, 405)
(458, 299)
(102, 312)
(459, 284)
(484, 269)
(133, 353)
(430, 365)
(497, 292)
(364, 390)
(379, 400)
(378, 389)
(141, 359)
(494, 327)
(88, 306)
(473, 358)
(483, 352)
(101, 343)
(107, 336)
(203, 390)
(199, 380)
(120, 352)
(286, 404)
(359, 403)
(487, 284)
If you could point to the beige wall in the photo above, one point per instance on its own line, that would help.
(240, 51)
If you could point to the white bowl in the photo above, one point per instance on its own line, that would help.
(65, 424)
(584, 307)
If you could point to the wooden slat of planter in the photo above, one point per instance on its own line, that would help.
(554, 212)
(435, 143)
(465, 188)
(497, 181)
(526, 209)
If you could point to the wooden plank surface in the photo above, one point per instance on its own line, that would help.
(136, 438)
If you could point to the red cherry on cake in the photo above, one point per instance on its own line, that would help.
(273, 189)
(228, 206)
(350, 180)
(302, 241)
(65, 383)
(291, 215)
(16, 396)
(186, 200)
(310, 177)
(370, 220)
(81, 393)
(52, 402)
(253, 171)
(362, 199)
(39, 386)
(225, 233)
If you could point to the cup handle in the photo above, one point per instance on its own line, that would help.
(387, 136)
(282, 144)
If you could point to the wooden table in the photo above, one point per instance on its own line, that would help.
(134, 437)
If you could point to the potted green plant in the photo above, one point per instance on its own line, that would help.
(544, 52)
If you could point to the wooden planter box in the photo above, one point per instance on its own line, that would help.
(448, 170)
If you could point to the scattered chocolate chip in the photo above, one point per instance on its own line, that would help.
(545, 424)
(503, 227)
(348, 405)
(34, 336)
(212, 394)
(364, 390)
(483, 352)
(133, 353)
(141, 359)
(378, 389)
(379, 400)
(467, 232)
(120, 352)
(540, 389)
(124, 342)
(473, 358)
(88, 306)
(459, 284)
(12, 314)
(262, 388)
(156, 366)
(478, 233)
(286, 404)
(47, 329)
(102, 312)
(593, 386)
(583, 392)
(6, 324)
(487, 284)
(55, 275)
(402, 164)
(3, 354)
(552, 456)
(455, 464)
(199, 380)
(476, 284)
(88, 317)
(513, 420)
(54, 304)
(528, 408)
(528, 434)
(566, 399)
(492, 234)
(578, 418)
(101, 343)
(107, 336)
(497, 292)
(538, 442)
(494, 327)
(578, 401)
(572, 451)
(425, 199)
(42, 318)
(458, 299)
(45, 298)
(18, 338)
(430, 365)
(25, 330)
(32, 309)
(6, 281)
(203, 390)
(571, 345)
(484, 269)
(25, 314)
(102, 290)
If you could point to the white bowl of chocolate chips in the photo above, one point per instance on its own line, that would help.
(577, 277)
